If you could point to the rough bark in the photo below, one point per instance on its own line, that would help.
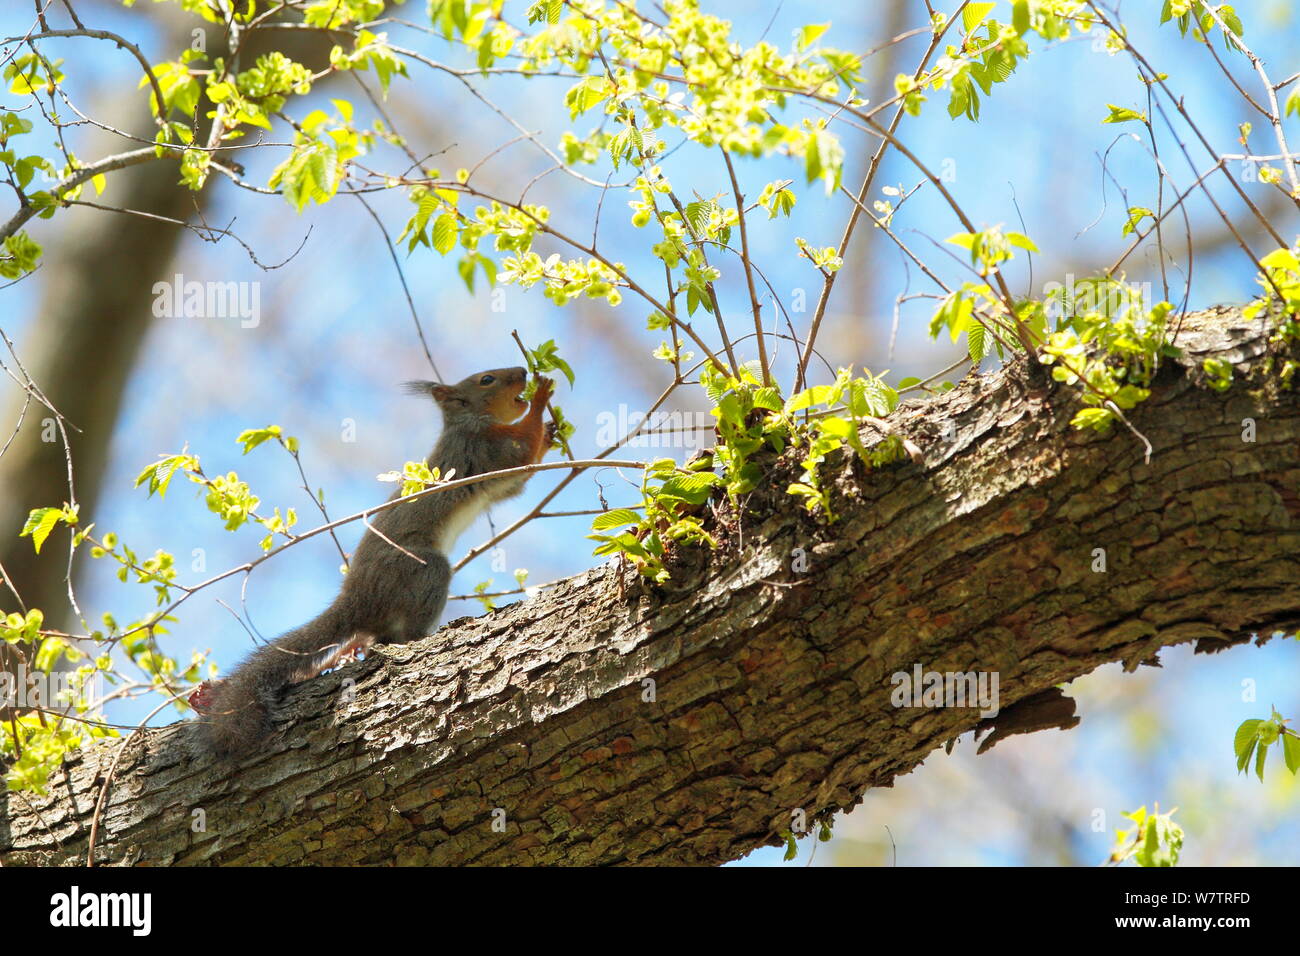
(771, 687)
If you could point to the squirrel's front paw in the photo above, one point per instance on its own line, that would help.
(549, 430)
(545, 387)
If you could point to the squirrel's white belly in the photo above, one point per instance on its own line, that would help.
(459, 520)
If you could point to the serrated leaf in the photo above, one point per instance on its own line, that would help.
(697, 215)
(1243, 742)
(39, 524)
(976, 344)
(444, 233)
(252, 437)
(974, 15)
(585, 94)
(615, 519)
(692, 487)
(1291, 752)
(768, 397)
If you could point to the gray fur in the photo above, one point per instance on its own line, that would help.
(395, 589)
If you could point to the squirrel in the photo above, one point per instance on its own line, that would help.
(397, 584)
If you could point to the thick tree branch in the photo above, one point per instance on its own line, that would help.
(613, 722)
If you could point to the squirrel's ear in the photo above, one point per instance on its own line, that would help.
(421, 388)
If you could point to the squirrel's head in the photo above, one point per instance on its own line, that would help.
(498, 392)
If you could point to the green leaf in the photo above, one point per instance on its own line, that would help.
(974, 15)
(615, 519)
(824, 159)
(548, 10)
(1293, 102)
(1281, 259)
(39, 524)
(445, 233)
(697, 216)
(546, 358)
(1098, 419)
(965, 100)
(976, 344)
(1291, 752)
(585, 94)
(692, 487)
(768, 397)
(1020, 16)
(816, 395)
(253, 437)
(808, 35)
(1233, 22)
(466, 269)
(1121, 114)
(963, 319)
(1243, 742)
(1021, 241)
(159, 474)
(1135, 216)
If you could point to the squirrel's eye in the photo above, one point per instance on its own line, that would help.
(487, 380)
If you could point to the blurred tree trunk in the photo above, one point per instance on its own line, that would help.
(80, 351)
(98, 277)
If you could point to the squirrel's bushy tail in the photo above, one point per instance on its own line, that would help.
(235, 717)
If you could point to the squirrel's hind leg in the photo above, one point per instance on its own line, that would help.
(424, 590)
